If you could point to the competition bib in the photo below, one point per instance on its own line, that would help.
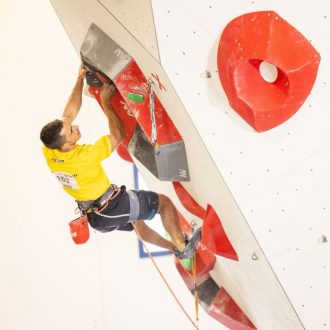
(67, 180)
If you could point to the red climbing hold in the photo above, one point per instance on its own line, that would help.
(205, 261)
(214, 236)
(224, 309)
(132, 81)
(249, 40)
(187, 201)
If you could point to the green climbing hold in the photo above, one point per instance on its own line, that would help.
(186, 263)
(135, 97)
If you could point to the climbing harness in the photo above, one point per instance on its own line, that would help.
(152, 116)
(79, 228)
(100, 203)
(163, 278)
(112, 196)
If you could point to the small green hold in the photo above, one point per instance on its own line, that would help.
(186, 263)
(135, 97)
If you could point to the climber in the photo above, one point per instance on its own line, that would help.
(78, 168)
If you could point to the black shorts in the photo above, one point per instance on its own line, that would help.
(124, 209)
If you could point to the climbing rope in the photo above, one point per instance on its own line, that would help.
(152, 115)
(194, 273)
(162, 276)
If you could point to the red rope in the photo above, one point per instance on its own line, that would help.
(162, 276)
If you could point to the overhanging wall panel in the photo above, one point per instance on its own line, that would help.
(137, 17)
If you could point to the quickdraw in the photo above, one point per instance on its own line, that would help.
(152, 116)
(194, 275)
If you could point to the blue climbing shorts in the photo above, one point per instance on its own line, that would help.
(128, 206)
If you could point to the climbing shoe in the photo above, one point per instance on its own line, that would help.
(191, 244)
(189, 250)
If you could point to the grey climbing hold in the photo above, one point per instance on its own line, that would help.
(323, 239)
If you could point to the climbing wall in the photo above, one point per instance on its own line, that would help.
(278, 177)
(265, 193)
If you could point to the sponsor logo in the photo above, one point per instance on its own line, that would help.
(126, 77)
(141, 89)
(160, 85)
(55, 160)
(182, 173)
(121, 54)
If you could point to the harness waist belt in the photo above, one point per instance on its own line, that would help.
(99, 202)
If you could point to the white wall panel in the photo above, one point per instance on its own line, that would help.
(278, 178)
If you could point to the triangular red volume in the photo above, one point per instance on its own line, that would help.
(187, 201)
(224, 309)
(214, 236)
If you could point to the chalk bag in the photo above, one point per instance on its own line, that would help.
(79, 230)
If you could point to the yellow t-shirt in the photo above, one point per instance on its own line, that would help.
(80, 171)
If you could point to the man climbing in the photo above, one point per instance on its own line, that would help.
(79, 169)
